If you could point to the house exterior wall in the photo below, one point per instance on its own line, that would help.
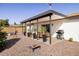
(55, 27)
(53, 16)
(43, 19)
(56, 16)
(56, 24)
(70, 27)
(28, 27)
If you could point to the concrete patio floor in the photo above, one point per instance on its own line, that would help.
(19, 46)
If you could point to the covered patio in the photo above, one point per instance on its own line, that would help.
(41, 26)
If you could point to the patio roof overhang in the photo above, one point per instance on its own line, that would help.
(41, 15)
(37, 18)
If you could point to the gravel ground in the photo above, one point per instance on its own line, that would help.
(20, 47)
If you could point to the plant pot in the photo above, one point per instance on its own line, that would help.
(44, 38)
(29, 34)
(24, 33)
(34, 35)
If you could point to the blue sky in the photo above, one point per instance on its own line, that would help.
(16, 12)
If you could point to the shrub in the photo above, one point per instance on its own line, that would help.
(2, 40)
(43, 30)
(70, 40)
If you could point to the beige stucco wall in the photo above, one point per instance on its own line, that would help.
(34, 21)
(56, 16)
(43, 19)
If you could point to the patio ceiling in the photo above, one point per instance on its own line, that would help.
(41, 15)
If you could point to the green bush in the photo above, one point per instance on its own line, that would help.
(2, 39)
(70, 40)
(2, 42)
(43, 29)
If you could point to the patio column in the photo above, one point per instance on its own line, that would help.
(22, 27)
(50, 29)
(30, 26)
(25, 27)
(37, 29)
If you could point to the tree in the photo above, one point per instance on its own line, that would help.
(7, 22)
(15, 23)
(4, 23)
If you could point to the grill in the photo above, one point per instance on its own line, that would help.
(60, 34)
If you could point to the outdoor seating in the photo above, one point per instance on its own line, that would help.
(34, 47)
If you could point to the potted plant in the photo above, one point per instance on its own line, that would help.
(24, 32)
(34, 34)
(43, 31)
(70, 40)
(29, 32)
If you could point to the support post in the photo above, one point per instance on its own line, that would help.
(37, 29)
(30, 26)
(25, 28)
(22, 28)
(50, 29)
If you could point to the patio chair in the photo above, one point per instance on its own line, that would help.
(34, 47)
